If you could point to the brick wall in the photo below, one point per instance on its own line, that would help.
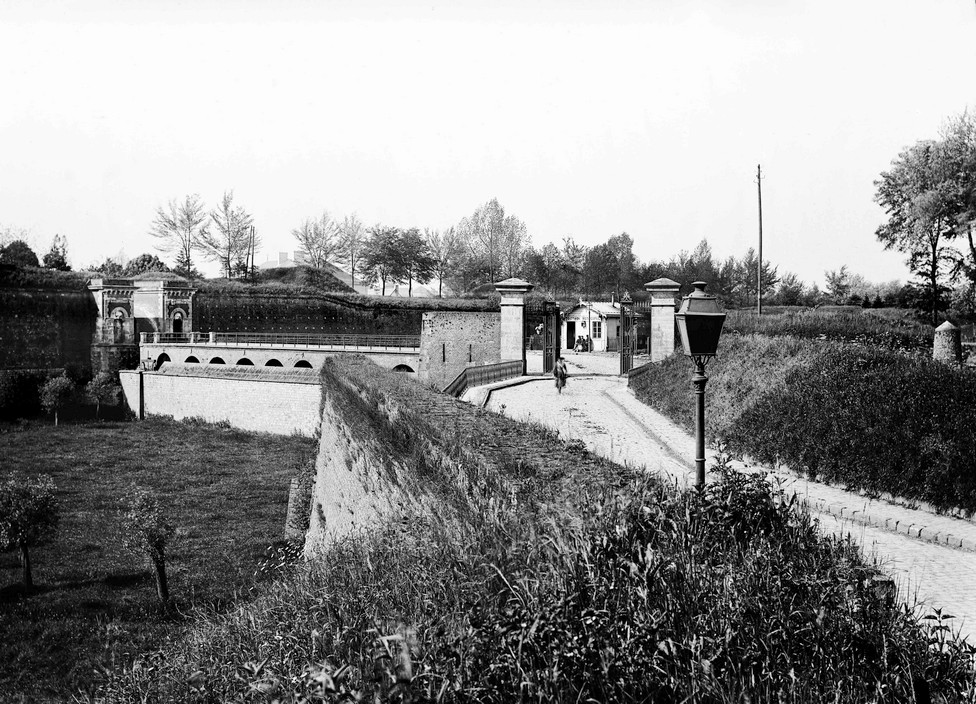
(46, 329)
(453, 340)
(258, 399)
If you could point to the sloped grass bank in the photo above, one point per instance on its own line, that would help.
(862, 416)
(225, 492)
(557, 577)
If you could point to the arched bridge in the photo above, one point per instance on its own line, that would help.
(396, 352)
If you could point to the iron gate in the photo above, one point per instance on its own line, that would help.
(628, 338)
(550, 335)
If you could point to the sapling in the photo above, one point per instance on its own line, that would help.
(28, 516)
(102, 389)
(55, 394)
(146, 531)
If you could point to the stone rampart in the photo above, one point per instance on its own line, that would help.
(453, 340)
(42, 329)
(262, 399)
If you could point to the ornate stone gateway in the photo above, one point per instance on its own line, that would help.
(550, 335)
(628, 333)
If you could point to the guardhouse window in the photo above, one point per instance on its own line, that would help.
(596, 329)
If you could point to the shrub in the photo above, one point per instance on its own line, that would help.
(20, 391)
(55, 394)
(28, 516)
(103, 389)
(146, 531)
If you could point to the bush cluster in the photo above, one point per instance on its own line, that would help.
(858, 415)
(872, 420)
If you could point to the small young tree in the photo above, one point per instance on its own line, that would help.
(55, 394)
(102, 389)
(146, 531)
(28, 516)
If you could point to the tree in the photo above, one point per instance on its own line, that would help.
(790, 291)
(18, 253)
(228, 239)
(146, 531)
(838, 284)
(417, 261)
(382, 258)
(55, 393)
(444, 248)
(318, 239)
(622, 248)
(499, 241)
(959, 149)
(352, 237)
(102, 389)
(57, 257)
(180, 228)
(142, 264)
(918, 196)
(109, 269)
(28, 516)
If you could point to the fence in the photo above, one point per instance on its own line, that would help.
(241, 339)
(484, 374)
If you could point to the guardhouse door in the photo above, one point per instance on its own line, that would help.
(550, 335)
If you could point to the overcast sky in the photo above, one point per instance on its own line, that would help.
(583, 119)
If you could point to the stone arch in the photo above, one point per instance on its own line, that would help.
(403, 368)
(161, 360)
(273, 363)
(177, 320)
(216, 360)
(303, 364)
(191, 360)
(119, 313)
(245, 362)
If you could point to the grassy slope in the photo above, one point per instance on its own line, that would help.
(572, 580)
(225, 491)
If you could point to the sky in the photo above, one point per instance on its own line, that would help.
(584, 119)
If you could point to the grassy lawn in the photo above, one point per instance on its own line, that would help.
(225, 491)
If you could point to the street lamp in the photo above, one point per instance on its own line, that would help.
(700, 320)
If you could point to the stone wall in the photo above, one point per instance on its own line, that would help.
(42, 329)
(262, 399)
(453, 340)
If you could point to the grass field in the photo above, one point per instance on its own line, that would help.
(225, 491)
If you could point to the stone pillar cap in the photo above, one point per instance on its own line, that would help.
(946, 326)
(662, 284)
(514, 285)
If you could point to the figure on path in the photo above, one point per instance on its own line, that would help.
(560, 372)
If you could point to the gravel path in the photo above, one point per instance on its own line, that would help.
(932, 558)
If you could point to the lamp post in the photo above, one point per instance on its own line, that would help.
(700, 320)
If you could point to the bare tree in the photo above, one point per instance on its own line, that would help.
(230, 240)
(499, 241)
(180, 228)
(318, 239)
(352, 237)
(444, 246)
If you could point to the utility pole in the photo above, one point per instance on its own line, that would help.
(759, 268)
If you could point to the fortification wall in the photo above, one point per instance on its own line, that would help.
(270, 401)
(453, 340)
(263, 313)
(42, 329)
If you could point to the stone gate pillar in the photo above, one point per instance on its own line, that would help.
(513, 318)
(663, 293)
(947, 345)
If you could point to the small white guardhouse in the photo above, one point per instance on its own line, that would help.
(597, 320)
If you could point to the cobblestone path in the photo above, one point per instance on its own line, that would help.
(596, 406)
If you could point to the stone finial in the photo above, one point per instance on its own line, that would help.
(663, 285)
(947, 344)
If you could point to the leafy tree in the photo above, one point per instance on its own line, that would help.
(445, 248)
(146, 531)
(102, 389)
(318, 239)
(229, 240)
(109, 269)
(57, 257)
(497, 240)
(55, 394)
(838, 284)
(382, 257)
(142, 264)
(417, 261)
(600, 273)
(28, 516)
(790, 291)
(919, 196)
(180, 228)
(18, 253)
(352, 239)
(622, 248)
(959, 149)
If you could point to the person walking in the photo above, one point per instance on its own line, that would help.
(561, 373)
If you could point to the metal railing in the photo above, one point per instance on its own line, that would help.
(484, 374)
(253, 339)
